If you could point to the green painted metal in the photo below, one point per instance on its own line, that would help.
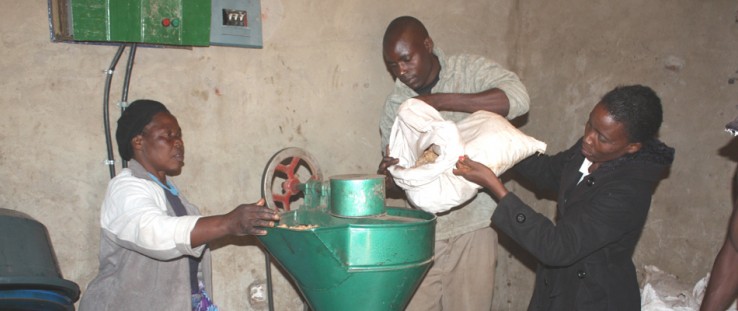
(356, 254)
(315, 194)
(358, 264)
(357, 195)
(167, 22)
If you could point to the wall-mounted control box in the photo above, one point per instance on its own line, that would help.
(236, 23)
(157, 22)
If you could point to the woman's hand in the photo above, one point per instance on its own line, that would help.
(251, 219)
(480, 174)
(244, 219)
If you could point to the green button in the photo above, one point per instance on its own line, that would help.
(175, 22)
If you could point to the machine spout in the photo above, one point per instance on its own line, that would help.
(361, 264)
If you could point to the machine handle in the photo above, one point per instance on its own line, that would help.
(285, 164)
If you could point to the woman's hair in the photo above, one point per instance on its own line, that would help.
(132, 122)
(638, 108)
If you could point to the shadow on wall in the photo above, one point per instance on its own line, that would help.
(246, 240)
(522, 255)
(517, 251)
(730, 150)
(520, 121)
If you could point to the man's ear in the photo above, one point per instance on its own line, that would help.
(428, 44)
(633, 148)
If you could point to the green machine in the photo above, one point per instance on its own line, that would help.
(234, 23)
(344, 249)
(156, 22)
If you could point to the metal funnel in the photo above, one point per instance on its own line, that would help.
(372, 263)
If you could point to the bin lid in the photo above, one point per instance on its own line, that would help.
(27, 258)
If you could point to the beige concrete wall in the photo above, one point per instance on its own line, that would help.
(318, 84)
(572, 52)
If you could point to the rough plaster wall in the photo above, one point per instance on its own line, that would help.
(572, 52)
(318, 83)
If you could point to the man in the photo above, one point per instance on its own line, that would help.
(722, 288)
(462, 276)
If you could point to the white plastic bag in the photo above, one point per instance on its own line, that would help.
(484, 136)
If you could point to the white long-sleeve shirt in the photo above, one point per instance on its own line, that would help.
(135, 214)
(144, 249)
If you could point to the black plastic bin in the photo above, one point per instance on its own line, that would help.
(30, 278)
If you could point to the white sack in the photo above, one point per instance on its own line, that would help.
(662, 291)
(484, 136)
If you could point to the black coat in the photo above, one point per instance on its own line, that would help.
(585, 257)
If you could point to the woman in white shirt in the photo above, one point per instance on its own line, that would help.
(153, 246)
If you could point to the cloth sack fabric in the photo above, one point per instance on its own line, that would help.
(663, 291)
(484, 136)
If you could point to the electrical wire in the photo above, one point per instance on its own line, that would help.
(106, 107)
(126, 83)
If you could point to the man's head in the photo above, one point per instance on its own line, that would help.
(408, 53)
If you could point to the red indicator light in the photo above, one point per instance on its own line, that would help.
(165, 22)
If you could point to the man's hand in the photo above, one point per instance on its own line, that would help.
(391, 189)
(387, 161)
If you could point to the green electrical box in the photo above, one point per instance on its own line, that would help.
(167, 22)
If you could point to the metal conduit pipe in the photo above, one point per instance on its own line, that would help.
(106, 107)
(126, 83)
(268, 261)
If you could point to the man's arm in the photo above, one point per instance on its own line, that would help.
(493, 100)
(470, 83)
(723, 285)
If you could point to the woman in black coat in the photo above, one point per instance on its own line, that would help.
(604, 184)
